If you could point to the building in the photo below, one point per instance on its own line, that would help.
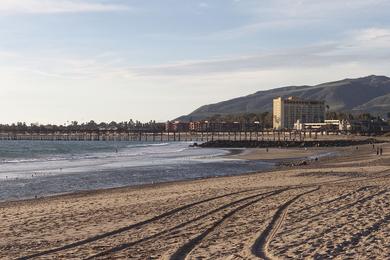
(176, 126)
(328, 125)
(370, 126)
(286, 112)
(199, 126)
(207, 126)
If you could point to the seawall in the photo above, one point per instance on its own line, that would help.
(265, 144)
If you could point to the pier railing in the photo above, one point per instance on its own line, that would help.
(172, 136)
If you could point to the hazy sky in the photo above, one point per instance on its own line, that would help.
(158, 59)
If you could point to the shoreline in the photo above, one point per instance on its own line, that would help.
(234, 153)
(88, 192)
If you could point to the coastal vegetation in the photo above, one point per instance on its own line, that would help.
(247, 121)
(131, 125)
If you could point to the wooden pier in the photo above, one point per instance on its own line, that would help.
(171, 136)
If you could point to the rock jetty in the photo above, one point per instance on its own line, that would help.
(285, 144)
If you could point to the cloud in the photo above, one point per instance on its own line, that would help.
(372, 34)
(307, 57)
(312, 8)
(366, 47)
(290, 14)
(56, 6)
(256, 27)
(56, 64)
(203, 5)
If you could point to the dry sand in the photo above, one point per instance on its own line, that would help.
(335, 208)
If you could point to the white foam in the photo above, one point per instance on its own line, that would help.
(144, 154)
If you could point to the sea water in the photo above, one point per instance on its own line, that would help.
(31, 169)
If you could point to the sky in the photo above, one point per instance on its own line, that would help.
(112, 60)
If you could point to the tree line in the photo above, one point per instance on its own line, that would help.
(265, 119)
(74, 126)
(262, 119)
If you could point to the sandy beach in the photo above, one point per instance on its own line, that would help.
(276, 154)
(335, 208)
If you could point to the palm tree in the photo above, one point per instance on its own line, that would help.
(327, 109)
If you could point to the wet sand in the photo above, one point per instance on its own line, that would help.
(277, 154)
(334, 208)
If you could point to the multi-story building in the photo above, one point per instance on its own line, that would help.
(199, 126)
(328, 125)
(286, 112)
(207, 126)
(176, 126)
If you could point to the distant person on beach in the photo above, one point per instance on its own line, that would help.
(377, 151)
(381, 151)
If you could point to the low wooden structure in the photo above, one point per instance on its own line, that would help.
(141, 136)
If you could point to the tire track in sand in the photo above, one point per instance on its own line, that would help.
(260, 247)
(170, 213)
(338, 225)
(165, 232)
(145, 222)
(130, 227)
(186, 249)
(327, 202)
(355, 238)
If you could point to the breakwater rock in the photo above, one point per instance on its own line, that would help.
(269, 144)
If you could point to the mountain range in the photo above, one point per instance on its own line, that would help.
(367, 94)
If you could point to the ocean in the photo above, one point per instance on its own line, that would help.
(31, 169)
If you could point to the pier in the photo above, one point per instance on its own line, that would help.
(141, 136)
